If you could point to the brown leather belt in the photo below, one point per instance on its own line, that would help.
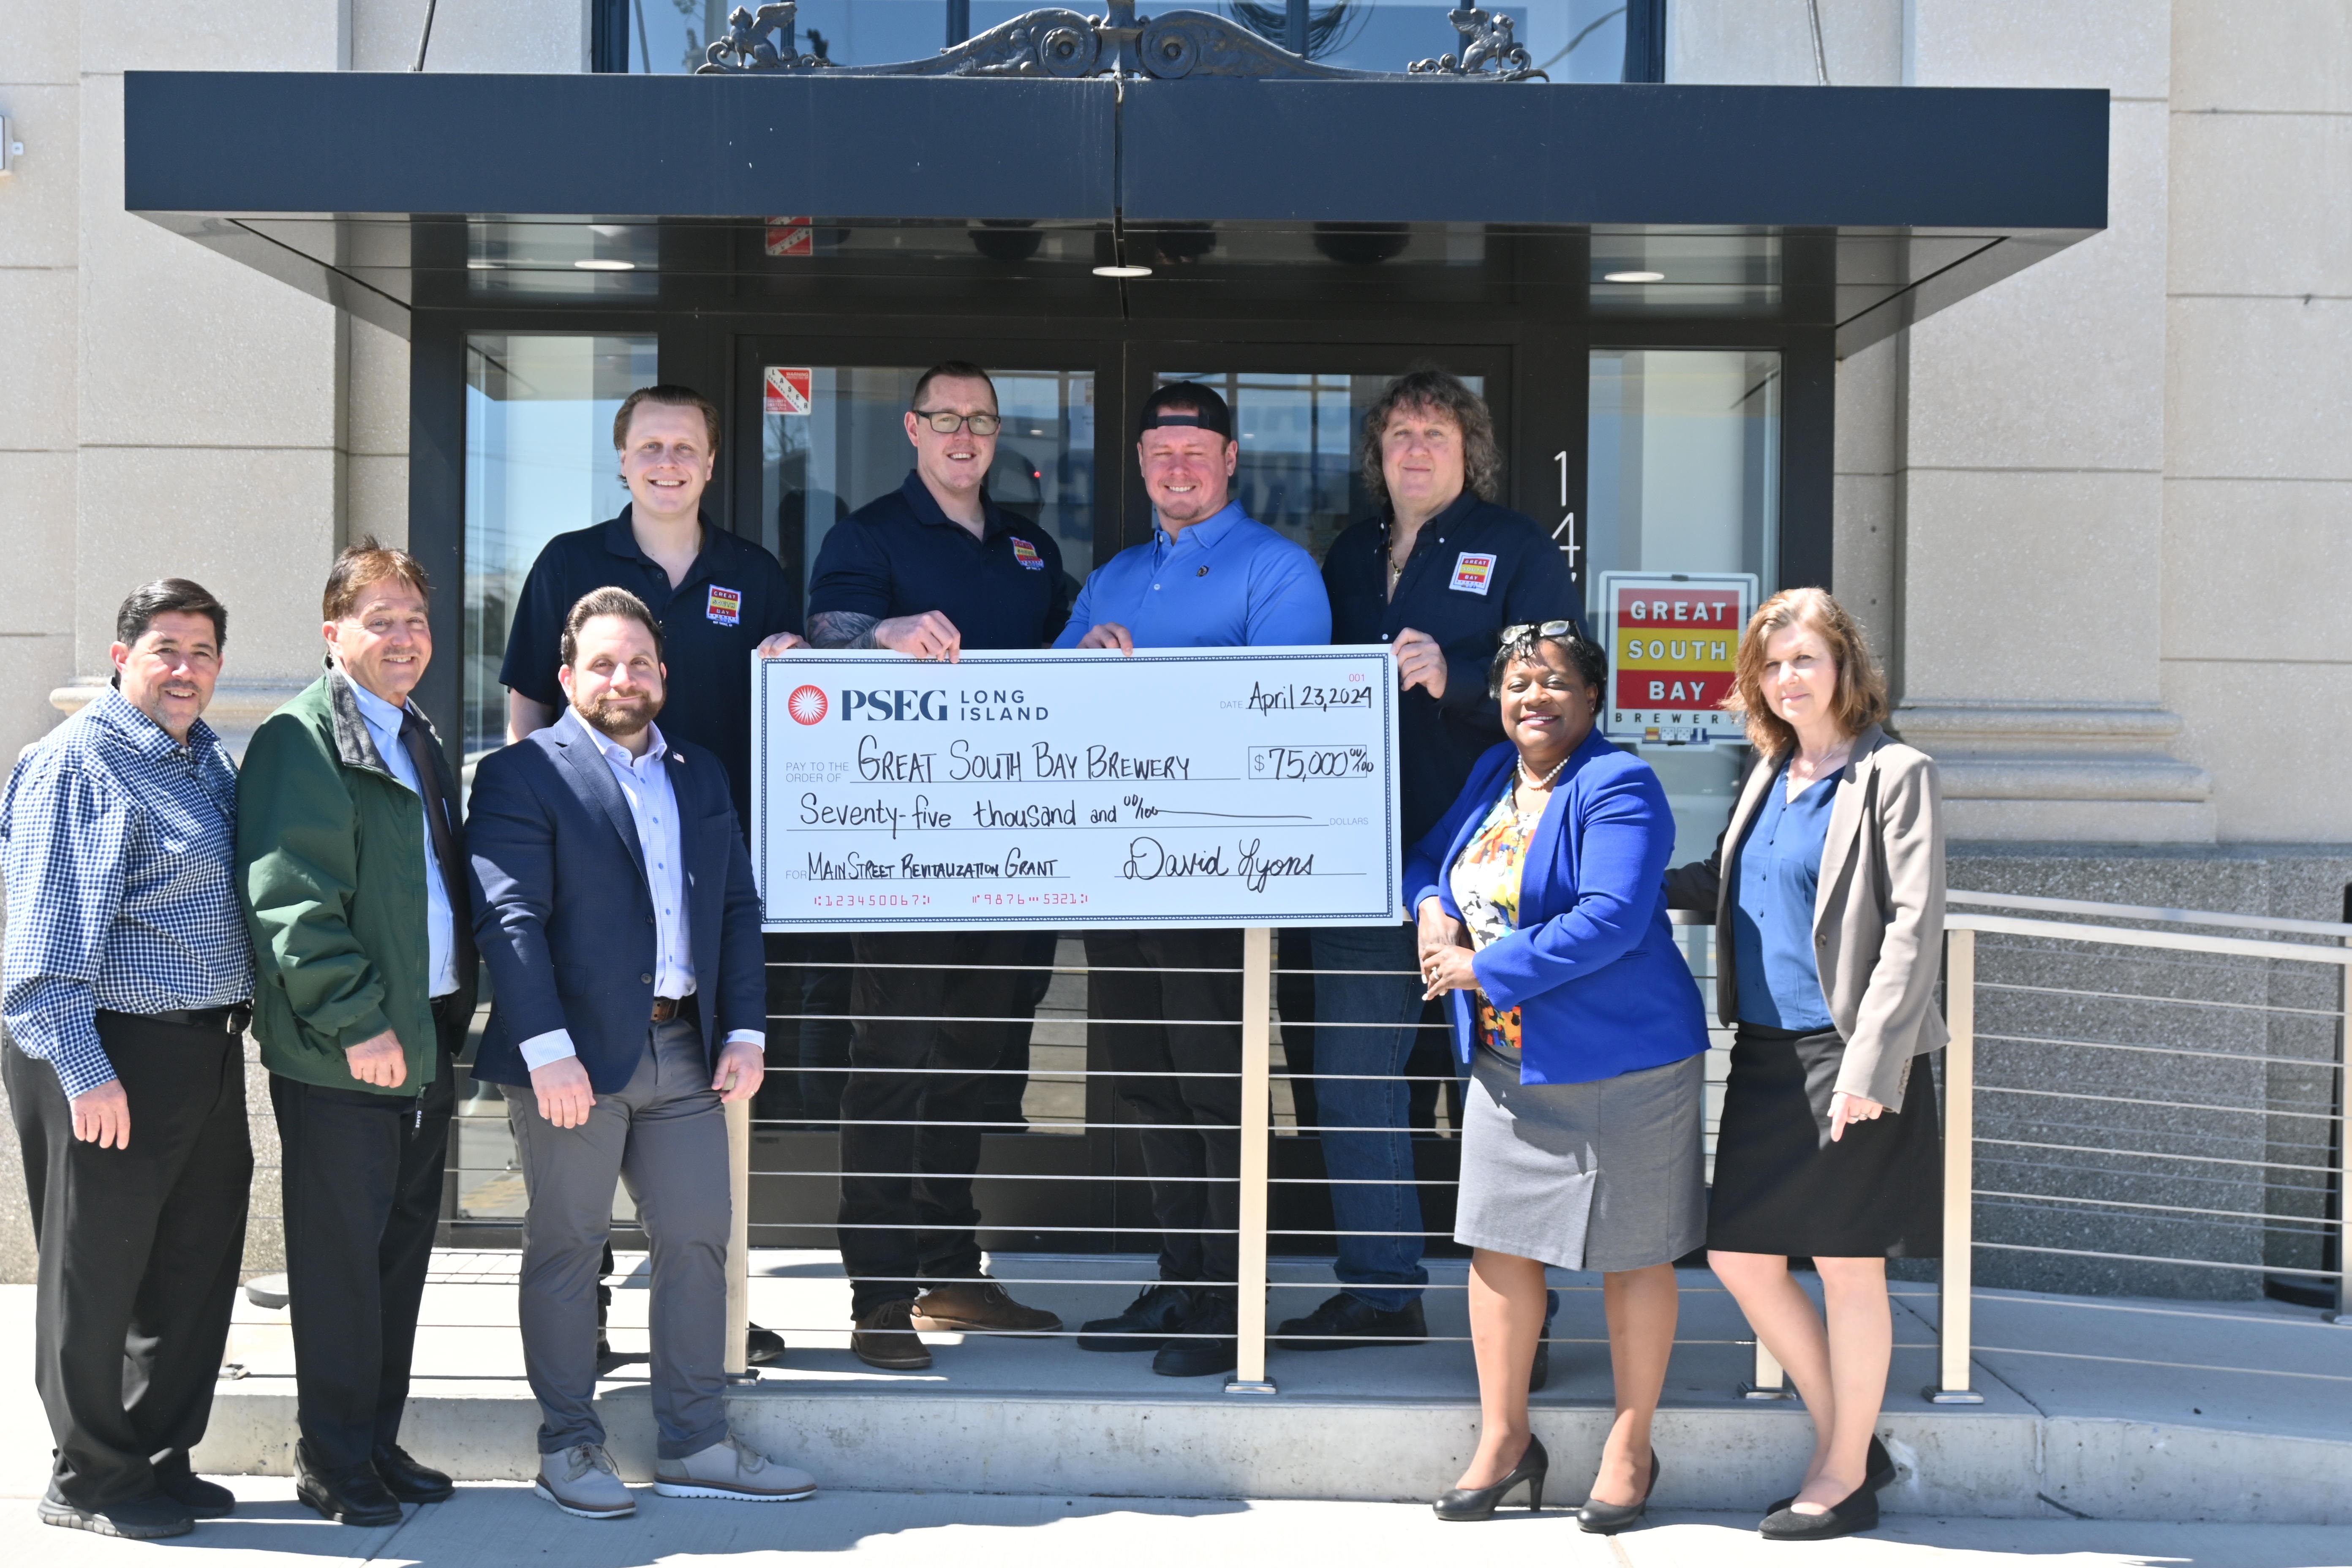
(668, 1007)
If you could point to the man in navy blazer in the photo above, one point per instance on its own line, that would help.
(616, 914)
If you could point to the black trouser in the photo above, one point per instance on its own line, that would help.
(362, 1174)
(899, 1229)
(139, 1251)
(1191, 1077)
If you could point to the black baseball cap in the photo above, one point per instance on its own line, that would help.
(1186, 404)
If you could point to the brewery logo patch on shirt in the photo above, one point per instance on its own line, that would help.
(1473, 574)
(1026, 554)
(726, 606)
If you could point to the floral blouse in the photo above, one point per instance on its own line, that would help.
(1486, 887)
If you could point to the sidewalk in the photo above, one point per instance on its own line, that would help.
(498, 1526)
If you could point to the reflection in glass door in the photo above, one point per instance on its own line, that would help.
(539, 462)
(833, 438)
(1683, 475)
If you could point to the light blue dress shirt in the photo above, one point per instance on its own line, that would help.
(1225, 582)
(653, 806)
(384, 722)
(1777, 875)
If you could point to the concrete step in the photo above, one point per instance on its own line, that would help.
(2109, 1410)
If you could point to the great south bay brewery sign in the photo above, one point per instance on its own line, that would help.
(1673, 640)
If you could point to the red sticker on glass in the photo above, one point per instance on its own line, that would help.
(785, 389)
(791, 237)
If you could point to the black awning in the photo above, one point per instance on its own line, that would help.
(1858, 207)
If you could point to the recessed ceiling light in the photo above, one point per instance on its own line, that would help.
(1122, 271)
(601, 264)
(1634, 277)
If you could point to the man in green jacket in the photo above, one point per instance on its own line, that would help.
(351, 866)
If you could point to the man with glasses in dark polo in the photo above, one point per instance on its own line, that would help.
(929, 570)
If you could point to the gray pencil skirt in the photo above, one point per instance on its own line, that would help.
(1606, 1175)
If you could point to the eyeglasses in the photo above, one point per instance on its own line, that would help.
(948, 423)
(1544, 629)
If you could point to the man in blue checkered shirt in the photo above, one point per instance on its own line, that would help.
(125, 990)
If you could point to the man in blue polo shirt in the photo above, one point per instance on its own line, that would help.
(929, 570)
(1210, 577)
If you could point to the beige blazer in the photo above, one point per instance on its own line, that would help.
(1878, 915)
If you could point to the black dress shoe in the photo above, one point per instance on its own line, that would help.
(763, 1347)
(1347, 1322)
(1858, 1511)
(350, 1495)
(1480, 1502)
(1877, 1475)
(406, 1479)
(201, 1499)
(1597, 1518)
(1204, 1343)
(1154, 1314)
(149, 1516)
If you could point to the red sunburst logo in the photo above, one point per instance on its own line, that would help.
(806, 705)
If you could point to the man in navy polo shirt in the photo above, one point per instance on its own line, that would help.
(1209, 577)
(929, 570)
(717, 596)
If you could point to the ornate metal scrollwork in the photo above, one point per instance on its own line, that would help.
(1486, 40)
(760, 43)
(1058, 43)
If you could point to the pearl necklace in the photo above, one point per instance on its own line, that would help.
(1545, 781)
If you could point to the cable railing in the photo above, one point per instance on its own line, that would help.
(2136, 1100)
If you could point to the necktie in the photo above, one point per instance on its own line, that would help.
(417, 741)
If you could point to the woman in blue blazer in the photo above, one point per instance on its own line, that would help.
(1540, 908)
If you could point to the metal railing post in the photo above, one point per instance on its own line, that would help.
(1257, 1068)
(2343, 1313)
(738, 1242)
(1768, 1381)
(1953, 1326)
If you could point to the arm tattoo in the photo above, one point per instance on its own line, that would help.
(842, 629)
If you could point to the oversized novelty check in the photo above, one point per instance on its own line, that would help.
(1175, 787)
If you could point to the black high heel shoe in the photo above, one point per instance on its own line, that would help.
(1480, 1502)
(1608, 1517)
(1877, 1475)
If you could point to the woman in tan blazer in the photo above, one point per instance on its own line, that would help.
(1827, 889)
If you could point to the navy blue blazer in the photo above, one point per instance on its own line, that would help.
(1592, 966)
(564, 915)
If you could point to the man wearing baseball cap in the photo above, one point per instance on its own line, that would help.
(1209, 577)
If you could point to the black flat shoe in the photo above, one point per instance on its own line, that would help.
(1597, 1518)
(1157, 1312)
(406, 1479)
(1859, 1511)
(1480, 1502)
(1877, 1475)
(352, 1494)
(1347, 1322)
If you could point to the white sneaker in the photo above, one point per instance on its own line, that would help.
(581, 1481)
(729, 1469)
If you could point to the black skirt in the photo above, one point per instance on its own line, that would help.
(1782, 1187)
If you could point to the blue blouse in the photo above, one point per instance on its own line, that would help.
(1779, 866)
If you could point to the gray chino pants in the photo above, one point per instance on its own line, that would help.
(666, 1136)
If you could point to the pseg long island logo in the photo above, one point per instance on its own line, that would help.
(806, 705)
